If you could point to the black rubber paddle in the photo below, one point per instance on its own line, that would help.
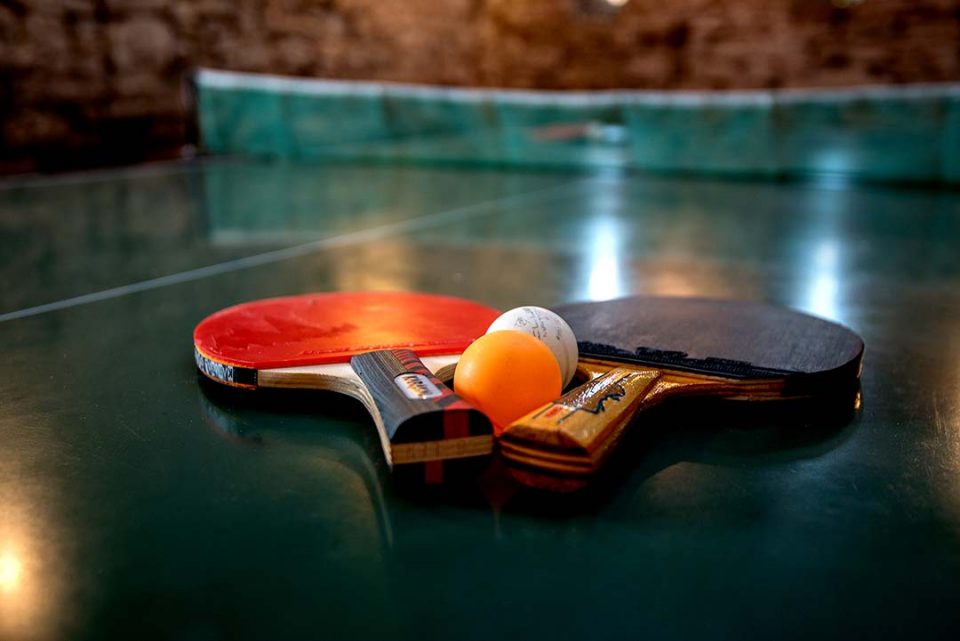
(637, 352)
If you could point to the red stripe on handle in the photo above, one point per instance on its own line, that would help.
(456, 424)
(433, 472)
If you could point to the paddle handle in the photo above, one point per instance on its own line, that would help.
(422, 422)
(572, 436)
(587, 421)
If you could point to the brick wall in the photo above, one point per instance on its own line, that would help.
(92, 81)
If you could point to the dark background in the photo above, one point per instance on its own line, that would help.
(102, 81)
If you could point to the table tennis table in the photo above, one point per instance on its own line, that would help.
(139, 502)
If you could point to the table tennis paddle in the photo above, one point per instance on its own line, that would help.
(638, 352)
(368, 345)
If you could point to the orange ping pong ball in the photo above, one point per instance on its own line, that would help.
(506, 374)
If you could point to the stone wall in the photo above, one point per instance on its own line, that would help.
(100, 81)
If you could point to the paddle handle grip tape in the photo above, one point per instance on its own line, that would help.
(423, 420)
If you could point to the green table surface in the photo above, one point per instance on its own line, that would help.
(138, 503)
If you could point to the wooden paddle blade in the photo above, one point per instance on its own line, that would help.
(422, 421)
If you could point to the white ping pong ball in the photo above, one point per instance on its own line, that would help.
(552, 330)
